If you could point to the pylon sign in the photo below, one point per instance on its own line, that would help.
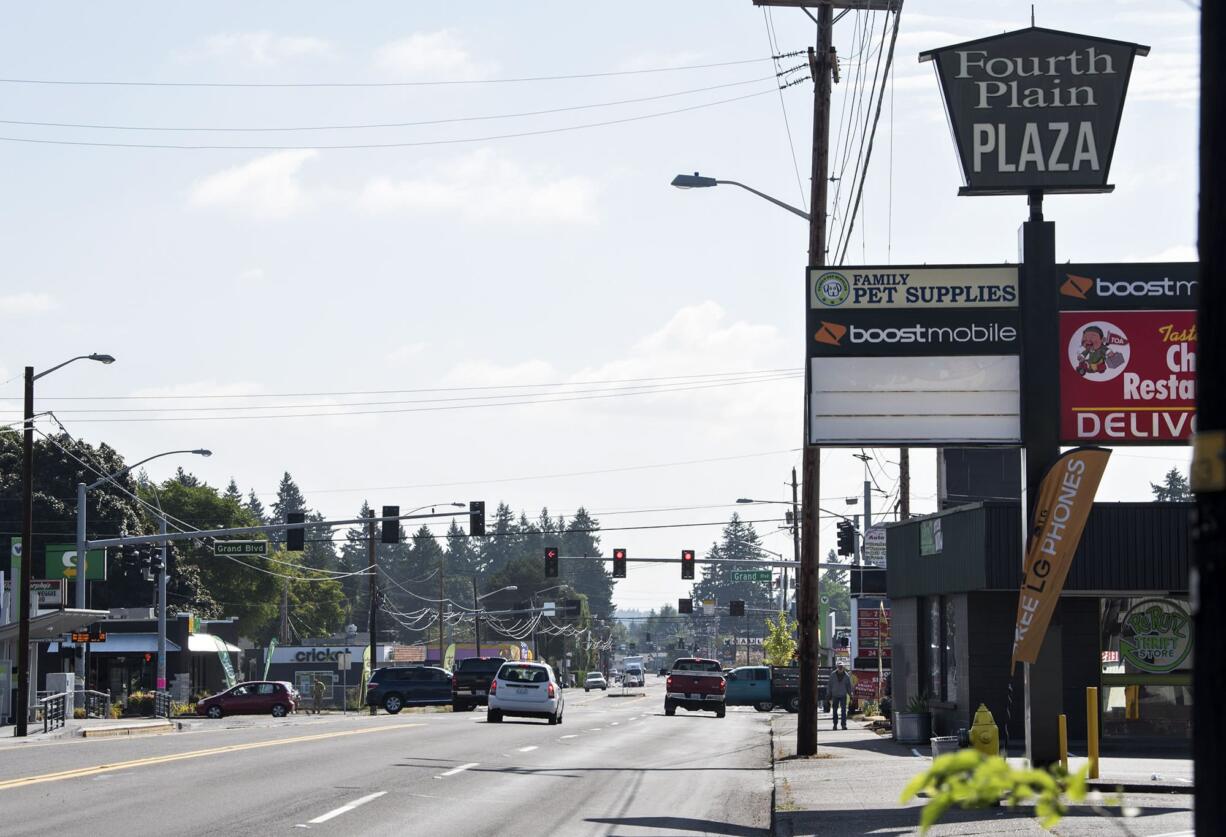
(1035, 109)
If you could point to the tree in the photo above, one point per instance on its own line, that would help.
(256, 508)
(500, 546)
(1174, 488)
(779, 646)
(836, 591)
(739, 541)
(462, 556)
(289, 499)
(590, 578)
(186, 478)
(232, 494)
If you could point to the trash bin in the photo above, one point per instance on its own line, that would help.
(942, 744)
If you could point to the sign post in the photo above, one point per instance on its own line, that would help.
(343, 660)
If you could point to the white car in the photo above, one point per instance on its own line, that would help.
(595, 680)
(525, 690)
(634, 677)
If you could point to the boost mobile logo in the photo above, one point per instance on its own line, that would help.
(1083, 287)
(832, 334)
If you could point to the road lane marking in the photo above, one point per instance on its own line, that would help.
(527, 749)
(194, 754)
(593, 729)
(564, 737)
(453, 771)
(613, 724)
(336, 812)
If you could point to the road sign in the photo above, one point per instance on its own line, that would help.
(61, 560)
(240, 547)
(751, 575)
(344, 660)
(50, 591)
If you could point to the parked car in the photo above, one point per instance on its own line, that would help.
(526, 690)
(255, 697)
(696, 685)
(395, 687)
(595, 680)
(470, 680)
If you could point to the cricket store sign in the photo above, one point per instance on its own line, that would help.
(299, 654)
(1127, 376)
(1035, 109)
(1156, 636)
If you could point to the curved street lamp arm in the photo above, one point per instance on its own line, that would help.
(128, 468)
(767, 197)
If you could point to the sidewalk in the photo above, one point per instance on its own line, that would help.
(93, 727)
(853, 785)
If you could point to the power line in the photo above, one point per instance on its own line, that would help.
(698, 375)
(384, 145)
(512, 80)
(439, 408)
(94, 126)
(772, 42)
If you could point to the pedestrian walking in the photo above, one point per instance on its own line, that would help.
(317, 694)
(839, 690)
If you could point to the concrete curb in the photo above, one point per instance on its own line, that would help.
(1140, 787)
(129, 729)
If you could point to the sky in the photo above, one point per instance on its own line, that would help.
(497, 306)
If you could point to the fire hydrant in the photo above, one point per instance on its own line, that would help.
(985, 737)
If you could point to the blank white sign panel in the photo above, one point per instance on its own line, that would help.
(915, 400)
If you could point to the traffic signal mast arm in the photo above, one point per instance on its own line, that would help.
(251, 530)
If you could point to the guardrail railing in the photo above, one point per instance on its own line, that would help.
(94, 703)
(54, 709)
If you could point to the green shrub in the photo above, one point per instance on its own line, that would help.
(116, 711)
(140, 703)
(78, 712)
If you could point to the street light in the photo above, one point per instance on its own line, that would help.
(82, 489)
(697, 181)
(477, 609)
(22, 592)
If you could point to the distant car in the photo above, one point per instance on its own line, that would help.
(662, 672)
(256, 697)
(470, 680)
(634, 677)
(395, 687)
(595, 680)
(526, 690)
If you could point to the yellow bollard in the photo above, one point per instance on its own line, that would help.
(1092, 729)
(1064, 742)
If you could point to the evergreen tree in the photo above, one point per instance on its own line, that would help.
(1174, 488)
(835, 589)
(591, 578)
(186, 479)
(354, 557)
(500, 544)
(462, 557)
(232, 494)
(739, 540)
(256, 509)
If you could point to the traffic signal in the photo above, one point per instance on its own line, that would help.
(295, 539)
(571, 607)
(619, 563)
(476, 519)
(685, 605)
(847, 538)
(155, 560)
(736, 607)
(687, 564)
(551, 562)
(146, 560)
(391, 528)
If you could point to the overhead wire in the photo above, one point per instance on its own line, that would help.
(772, 42)
(370, 146)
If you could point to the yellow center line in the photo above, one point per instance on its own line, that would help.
(194, 754)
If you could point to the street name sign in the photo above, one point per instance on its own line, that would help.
(240, 547)
(751, 575)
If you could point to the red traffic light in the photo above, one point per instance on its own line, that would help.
(619, 563)
(687, 564)
(619, 555)
(551, 552)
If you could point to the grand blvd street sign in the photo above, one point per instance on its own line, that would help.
(1035, 109)
(240, 547)
(751, 575)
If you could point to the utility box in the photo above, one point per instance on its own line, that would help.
(63, 682)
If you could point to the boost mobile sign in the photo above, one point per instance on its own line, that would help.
(1035, 109)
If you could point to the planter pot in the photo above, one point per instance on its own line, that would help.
(912, 727)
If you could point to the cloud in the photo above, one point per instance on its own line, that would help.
(252, 275)
(401, 355)
(482, 186)
(267, 186)
(260, 48)
(26, 303)
(431, 55)
(1174, 253)
(1166, 77)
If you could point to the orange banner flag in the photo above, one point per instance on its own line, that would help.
(1066, 496)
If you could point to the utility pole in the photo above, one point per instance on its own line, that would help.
(904, 483)
(285, 637)
(1209, 446)
(21, 587)
(440, 613)
(372, 562)
(795, 538)
(476, 617)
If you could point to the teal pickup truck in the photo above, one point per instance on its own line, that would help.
(765, 687)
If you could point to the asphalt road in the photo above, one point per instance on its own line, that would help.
(616, 766)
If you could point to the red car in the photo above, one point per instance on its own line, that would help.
(257, 697)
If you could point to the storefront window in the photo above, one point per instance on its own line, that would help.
(1146, 667)
(935, 681)
(950, 659)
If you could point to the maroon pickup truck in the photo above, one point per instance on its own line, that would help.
(695, 685)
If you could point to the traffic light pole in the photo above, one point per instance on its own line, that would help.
(161, 681)
(372, 562)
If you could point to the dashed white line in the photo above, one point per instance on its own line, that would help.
(613, 724)
(564, 737)
(593, 729)
(453, 771)
(343, 809)
(528, 749)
